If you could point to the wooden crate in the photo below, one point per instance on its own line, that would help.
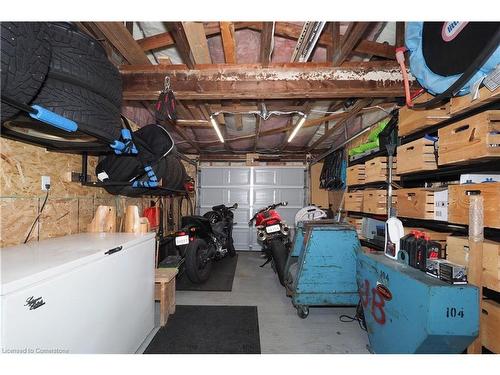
(490, 325)
(355, 175)
(458, 252)
(375, 201)
(460, 104)
(417, 203)
(353, 201)
(458, 203)
(356, 222)
(416, 156)
(376, 170)
(413, 120)
(473, 138)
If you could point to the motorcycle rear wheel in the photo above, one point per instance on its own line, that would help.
(198, 266)
(279, 254)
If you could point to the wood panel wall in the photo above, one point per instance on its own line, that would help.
(70, 206)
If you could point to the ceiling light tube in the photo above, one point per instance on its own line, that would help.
(297, 127)
(216, 127)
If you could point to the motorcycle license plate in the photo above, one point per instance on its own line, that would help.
(181, 240)
(273, 228)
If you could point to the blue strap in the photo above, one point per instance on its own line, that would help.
(53, 119)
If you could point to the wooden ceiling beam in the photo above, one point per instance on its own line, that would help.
(165, 39)
(197, 40)
(279, 81)
(121, 39)
(400, 34)
(228, 42)
(334, 31)
(353, 36)
(181, 43)
(355, 109)
(266, 41)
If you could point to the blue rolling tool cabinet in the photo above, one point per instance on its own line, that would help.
(321, 267)
(408, 311)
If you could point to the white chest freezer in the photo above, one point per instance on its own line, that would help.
(84, 293)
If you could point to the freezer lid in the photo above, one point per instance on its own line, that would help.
(30, 263)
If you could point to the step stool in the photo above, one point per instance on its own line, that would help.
(165, 292)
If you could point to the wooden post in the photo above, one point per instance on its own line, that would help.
(475, 269)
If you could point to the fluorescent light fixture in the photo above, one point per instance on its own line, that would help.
(216, 127)
(297, 128)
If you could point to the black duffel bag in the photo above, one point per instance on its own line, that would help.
(128, 175)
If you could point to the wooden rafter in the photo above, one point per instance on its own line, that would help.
(334, 31)
(292, 31)
(181, 43)
(353, 35)
(360, 104)
(228, 42)
(266, 40)
(197, 41)
(120, 38)
(165, 39)
(279, 81)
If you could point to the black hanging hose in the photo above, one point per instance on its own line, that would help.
(465, 77)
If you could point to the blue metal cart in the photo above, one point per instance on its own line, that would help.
(321, 267)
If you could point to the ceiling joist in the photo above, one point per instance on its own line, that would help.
(228, 42)
(279, 81)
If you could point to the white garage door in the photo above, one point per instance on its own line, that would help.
(252, 188)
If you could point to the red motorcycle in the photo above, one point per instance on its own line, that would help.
(274, 236)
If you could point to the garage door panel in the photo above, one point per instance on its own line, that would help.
(290, 176)
(213, 177)
(238, 176)
(212, 196)
(264, 177)
(240, 196)
(241, 217)
(263, 197)
(294, 197)
(241, 238)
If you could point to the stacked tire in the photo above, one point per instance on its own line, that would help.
(66, 71)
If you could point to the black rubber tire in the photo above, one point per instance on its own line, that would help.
(80, 60)
(90, 111)
(25, 55)
(196, 274)
(279, 254)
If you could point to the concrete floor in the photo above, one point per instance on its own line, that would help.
(281, 330)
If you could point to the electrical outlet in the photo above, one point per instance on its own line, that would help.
(45, 181)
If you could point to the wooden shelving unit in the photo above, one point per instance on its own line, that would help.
(490, 309)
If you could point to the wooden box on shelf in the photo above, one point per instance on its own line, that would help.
(376, 170)
(460, 104)
(416, 203)
(458, 206)
(353, 201)
(413, 120)
(416, 156)
(490, 325)
(375, 201)
(476, 137)
(356, 222)
(457, 251)
(355, 175)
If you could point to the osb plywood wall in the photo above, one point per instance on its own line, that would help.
(70, 207)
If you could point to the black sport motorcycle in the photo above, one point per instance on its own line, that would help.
(274, 236)
(205, 239)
